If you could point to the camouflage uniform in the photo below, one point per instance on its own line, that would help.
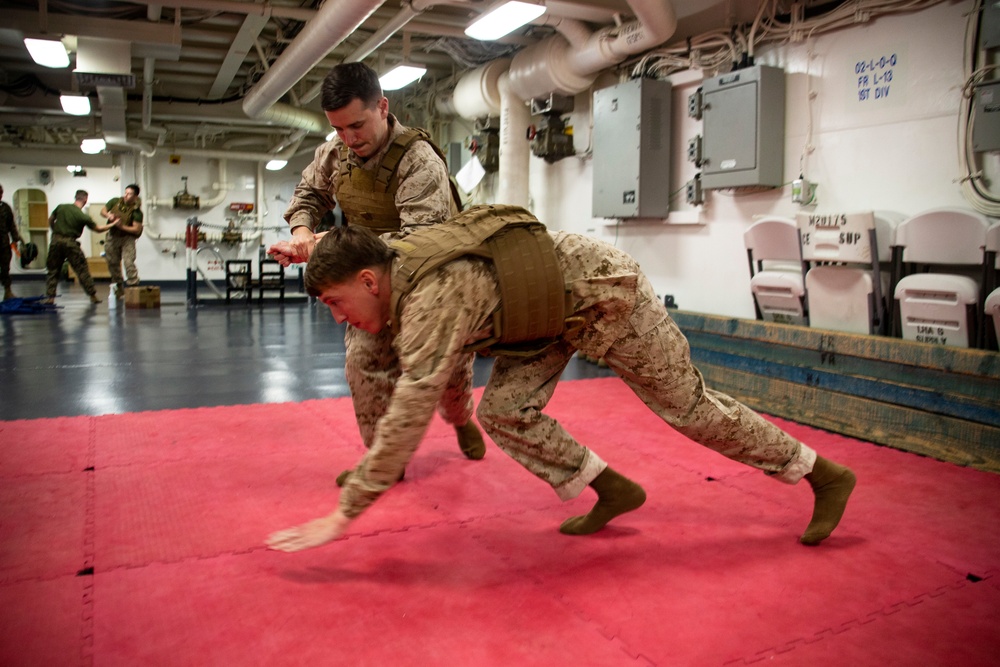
(625, 324)
(68, 224)
(8, 235)
(422, 198)
(119, 246)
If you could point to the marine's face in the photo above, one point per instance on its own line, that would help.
(129, 195)
(363, 129)
(359, 301)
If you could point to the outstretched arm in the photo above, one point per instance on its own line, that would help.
(104, 228)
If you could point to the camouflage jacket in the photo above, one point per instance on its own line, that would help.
(423, 196)
(451, 308)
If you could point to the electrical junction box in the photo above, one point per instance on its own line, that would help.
(743, 132)
(986, 123)
(631, 144)
(989, 26)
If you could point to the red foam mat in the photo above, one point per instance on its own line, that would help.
(462, 563)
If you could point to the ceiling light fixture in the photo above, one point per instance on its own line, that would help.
(47, 52)
(401, 75)
(275, 165)
(75, 105)
(503, 20)
(93, 146)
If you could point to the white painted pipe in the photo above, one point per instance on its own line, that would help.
(477, 94)
(514, 149)
(569, 63)
(334, 21)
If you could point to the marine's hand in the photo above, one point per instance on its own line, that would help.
(286, 254)
(313, 534)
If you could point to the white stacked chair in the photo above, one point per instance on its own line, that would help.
(776, 271)
(845, 281)
(940, 307)
(991, 286)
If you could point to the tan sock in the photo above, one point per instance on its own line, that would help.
(470, 441)
(832, 484)
(616, 494)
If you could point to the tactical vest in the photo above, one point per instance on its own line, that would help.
(368, 197)
(533, 297)
(125, 212)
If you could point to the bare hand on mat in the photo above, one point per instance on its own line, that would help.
(309, 535)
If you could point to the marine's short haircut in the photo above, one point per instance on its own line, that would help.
(347, 82)
(341, 254)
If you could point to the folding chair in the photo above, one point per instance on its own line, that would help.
(845, 281)
(941, 306)
(776, 271)
(992, 311)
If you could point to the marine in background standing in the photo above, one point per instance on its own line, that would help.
(67, 222)
(120, 244)
(8, 236)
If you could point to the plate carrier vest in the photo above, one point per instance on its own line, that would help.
(533, 296)
(125, 212)
(368, 197)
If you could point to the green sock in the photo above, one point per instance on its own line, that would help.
(616, 494)
(470, 441)
(832, 484)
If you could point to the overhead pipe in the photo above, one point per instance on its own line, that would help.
(334, 22)
(568, 63)
(409, 11)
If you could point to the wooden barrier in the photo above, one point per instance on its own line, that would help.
(938, 401)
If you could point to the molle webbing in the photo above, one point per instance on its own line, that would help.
(125, 211)
(532, 291)
(368, 197)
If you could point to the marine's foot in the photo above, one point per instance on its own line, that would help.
(832, 485)
(470, 441)
(616, 495)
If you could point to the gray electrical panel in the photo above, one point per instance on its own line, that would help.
(632, 150)
(743, 116)
(986, 123)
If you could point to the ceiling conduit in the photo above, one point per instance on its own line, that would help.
(569, 63)
(334, 21)
(409, 11)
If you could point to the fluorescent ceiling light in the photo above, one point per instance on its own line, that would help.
(75, 105)
(92, 146)
(504, 19)
(401, 75)
(275, 165)
(47, 52)
(73, 167)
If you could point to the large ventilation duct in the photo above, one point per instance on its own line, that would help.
(334, 21)
(569, 63)
(477, 93)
